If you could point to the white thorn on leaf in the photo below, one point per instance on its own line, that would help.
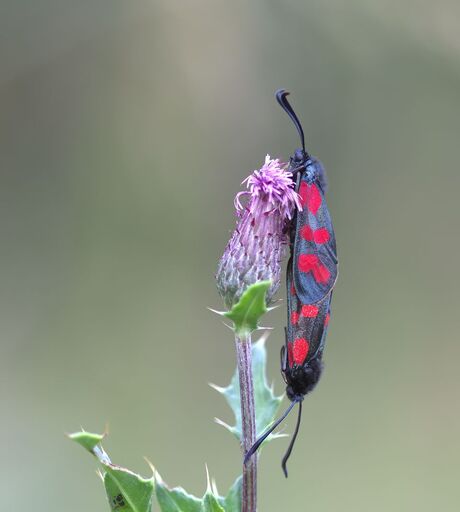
(264, 336)
(221, 313)
(219, 389)
(229, 326)
(208, 482)
(157, 477)
(261, 328)
(214, 487)
(152, 467)
(223, 424)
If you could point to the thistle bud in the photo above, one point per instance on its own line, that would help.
(258, 244)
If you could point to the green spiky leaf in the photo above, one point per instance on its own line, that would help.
(249, 309)
(232, 502)
(129, 492)
(178, 500)
(87, 439)
(175, 500)
(266, 402)
(211, 503)
(126, 491)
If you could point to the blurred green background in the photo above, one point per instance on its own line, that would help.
(125, 131)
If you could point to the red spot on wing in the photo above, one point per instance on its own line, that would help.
(310, 196)
(307, 233)
(310, 311)
(290, 355)
(292, 288)
(300, 350)
(303, 193)
(321, 274)
(314, 199)
(311, 263)
(321, 236)
(307, 262)
(294, 317)
(326, 320)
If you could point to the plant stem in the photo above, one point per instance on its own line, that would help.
(248, 421)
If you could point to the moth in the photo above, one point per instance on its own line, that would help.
(310, 278)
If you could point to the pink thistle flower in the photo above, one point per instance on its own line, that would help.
(258, 244)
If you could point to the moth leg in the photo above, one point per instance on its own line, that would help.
(284, 359)
(297, 184)
(284, 353)
(283, 363)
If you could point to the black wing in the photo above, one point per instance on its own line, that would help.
(315, 263)
(307, 325)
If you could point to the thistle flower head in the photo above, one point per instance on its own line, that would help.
(258, 244)
(271, 186)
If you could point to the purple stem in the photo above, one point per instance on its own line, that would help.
(248, 421)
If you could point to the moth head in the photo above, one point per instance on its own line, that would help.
(299, 157)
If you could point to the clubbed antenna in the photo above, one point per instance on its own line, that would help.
(291, 445)
(281, 97)
(262, 438)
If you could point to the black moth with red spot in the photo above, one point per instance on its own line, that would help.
(311, 276)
